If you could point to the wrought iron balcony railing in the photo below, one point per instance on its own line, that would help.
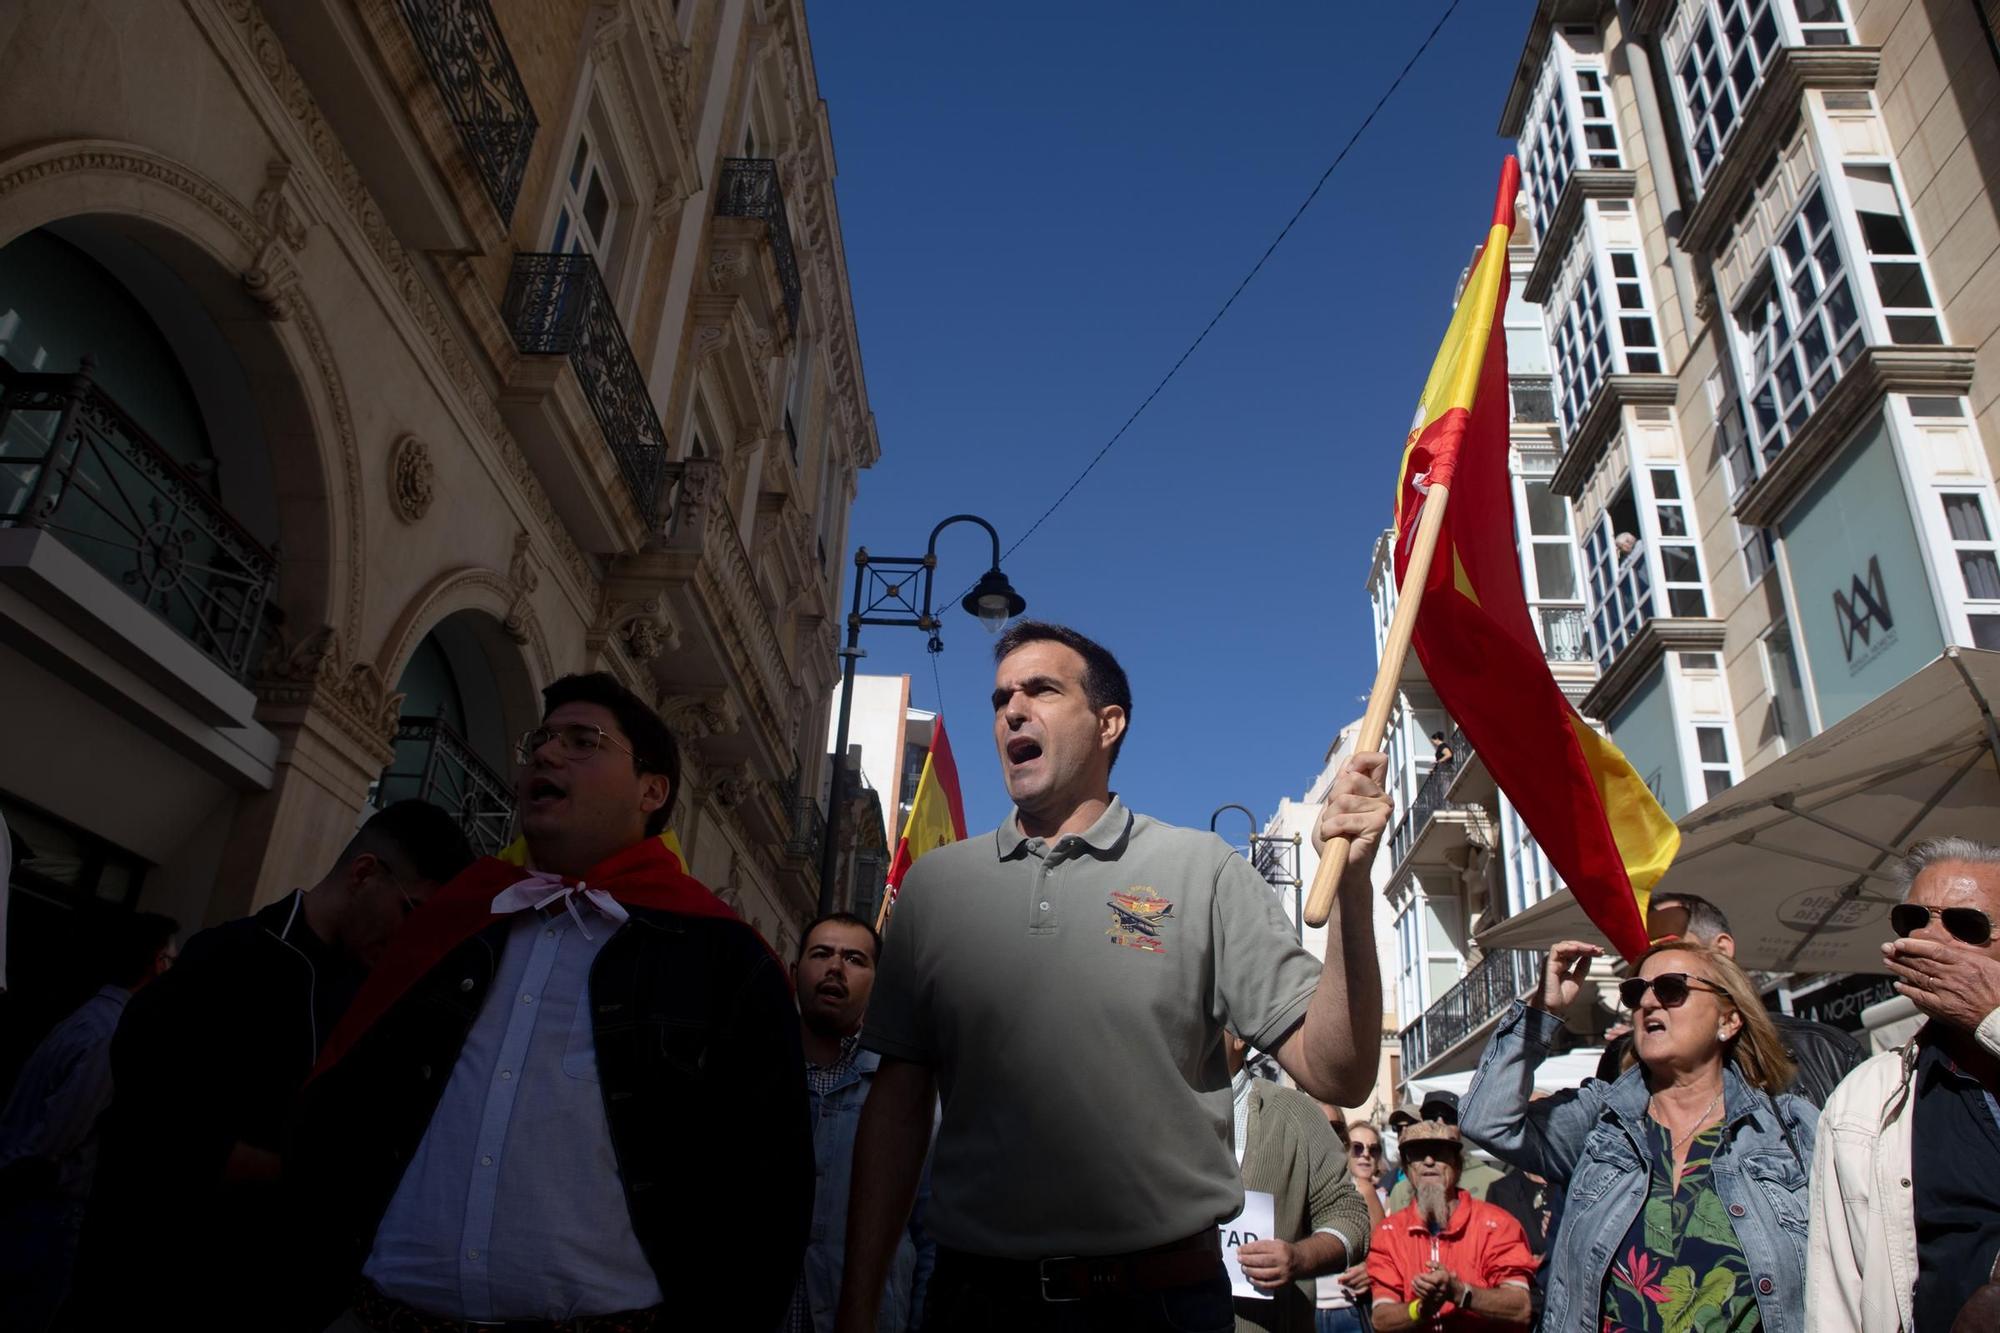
(808, 827)
(1430, 800)
(749, 189)
(474, 72)
(76, 464)
(1565, 633)
(1499, 979)
(557, 306)
(433, 763)
(1533, 399)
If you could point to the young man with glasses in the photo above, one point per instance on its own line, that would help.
(1905, 1224)
(207, 1062)
(575, 1084)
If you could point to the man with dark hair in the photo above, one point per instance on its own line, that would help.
(834, 976)
(1823, 1053)
(208, 1061)
(50, 1132)
(1065, 981)
(573, 1078)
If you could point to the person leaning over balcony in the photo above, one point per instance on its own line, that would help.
(1906, 1192)
(208, 1060)
(1684, 1182)
(1823, 1054)
(573, 1088)
(1065, 980)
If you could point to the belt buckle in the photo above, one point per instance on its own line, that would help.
(1042, 1271)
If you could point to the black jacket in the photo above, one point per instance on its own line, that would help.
(704, 1095)
(1825, 1055)
(210, 1054)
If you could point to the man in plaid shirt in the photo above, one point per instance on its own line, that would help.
(833, 977)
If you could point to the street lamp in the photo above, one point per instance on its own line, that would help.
(1278, 854)
(891, 599)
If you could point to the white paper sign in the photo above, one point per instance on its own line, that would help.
(1255, 1222)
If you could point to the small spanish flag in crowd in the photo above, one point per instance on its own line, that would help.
(937, 815)
(1588, 809)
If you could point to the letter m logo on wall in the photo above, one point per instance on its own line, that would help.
(1861, 605)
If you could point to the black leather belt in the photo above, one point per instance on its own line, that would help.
(1073, 1277)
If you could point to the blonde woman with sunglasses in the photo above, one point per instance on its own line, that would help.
(1684, 1182)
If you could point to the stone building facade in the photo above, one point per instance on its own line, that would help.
(367, 365)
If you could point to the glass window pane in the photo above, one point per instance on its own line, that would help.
(1624, 265)
(1555, 571)
(1902, 285)
(1673, 521)
(1715, 781)
(1818, 11)
(1548, 513)
(1982, 574)
(1914, 331)
(1966, 517)
(1986, 631)
(1666, 484)
(596, 207)
(1678, 565)
(1885, 234)
(1714, 749)
(1686, 602)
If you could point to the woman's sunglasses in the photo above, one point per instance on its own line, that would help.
(1670, 988)
(1965, 923)
(1360, 1149)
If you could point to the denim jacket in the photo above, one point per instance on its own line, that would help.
(1589, 1142)
(835, 1117)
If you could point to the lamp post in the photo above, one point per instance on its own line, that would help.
(1279, 853)
(891, 599)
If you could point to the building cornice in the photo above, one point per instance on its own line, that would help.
(1601, 421)
(1767, 122)
(1584, 183)
(1876, 373)
(1528, 68)
(1657, 637)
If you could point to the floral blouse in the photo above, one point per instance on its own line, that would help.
(1679, 1268)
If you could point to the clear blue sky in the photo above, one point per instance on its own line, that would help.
(1042, 205)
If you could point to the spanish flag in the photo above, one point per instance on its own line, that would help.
(1590, 812)
(937, 815)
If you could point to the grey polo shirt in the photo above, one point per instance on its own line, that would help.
(1070, 998)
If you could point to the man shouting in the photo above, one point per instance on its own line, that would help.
(1064, 983)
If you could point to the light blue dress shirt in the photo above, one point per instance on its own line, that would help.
(512, 1207)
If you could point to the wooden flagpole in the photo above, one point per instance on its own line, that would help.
(1375, 722)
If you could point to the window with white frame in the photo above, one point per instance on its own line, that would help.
(1972, 543)
(587, 213)
(1908, 309)
(1551, 563)
(1582, 347)
(1785, 684)
(1530, 876)
(1638, 334)
(1759, 551)
(1570, 124)
(1716, 66)
(1680, 555)
(1718, 775)
(1800, 328)
(1410, 998)
(1620, 578)
(1823, 23)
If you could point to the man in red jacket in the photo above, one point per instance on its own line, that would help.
(1448, 1261)
(569, 1078)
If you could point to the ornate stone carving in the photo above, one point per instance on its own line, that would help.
(314, 671)
(645, 628)
(275, 209)
(412, 478)
(727, 264)
(730, 785)
(522, 576)
(699, 717)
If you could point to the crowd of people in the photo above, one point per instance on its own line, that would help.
(566, 1090)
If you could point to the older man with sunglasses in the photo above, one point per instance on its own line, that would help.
(1905, 1222)
(572, 1098)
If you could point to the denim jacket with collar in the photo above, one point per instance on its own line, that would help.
(1590, 1143)
(835, 1117)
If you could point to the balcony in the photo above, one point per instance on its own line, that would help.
(1433, 806)
(749, 189)
(556, 305)
(474, 74)
(433, 763)
(1565, 633)
(1468, 1009)
(808, 824)
(75, 465)
(1532, 399)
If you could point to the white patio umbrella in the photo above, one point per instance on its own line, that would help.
(1802, 853)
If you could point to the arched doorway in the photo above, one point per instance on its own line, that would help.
(465, 700)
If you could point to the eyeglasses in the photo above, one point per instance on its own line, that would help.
(1965, 923)
(576, 740)
(1670, 988)
(1360, 1149)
